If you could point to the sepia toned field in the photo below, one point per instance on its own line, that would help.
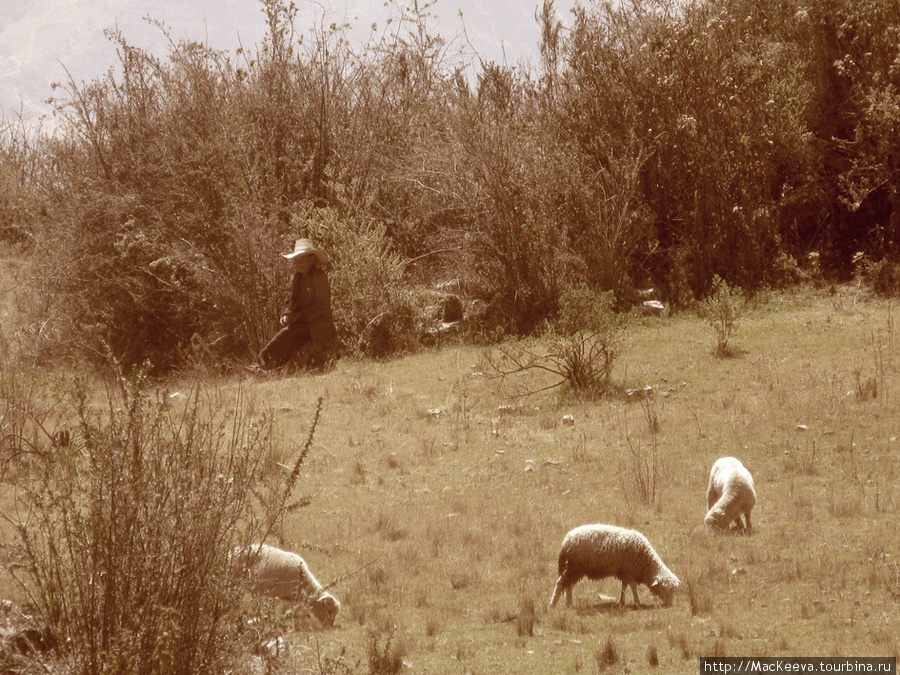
(439, 498)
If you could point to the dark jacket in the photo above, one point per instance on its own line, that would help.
(311, 304)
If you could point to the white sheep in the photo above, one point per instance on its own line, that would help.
(285, 575)
(600, 551)
(730, 495)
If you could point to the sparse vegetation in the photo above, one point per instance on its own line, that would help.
(463, 539)
(711, 151)
(608, 655)
(385, 653)
(722, 309)
(444, 541)
(123, 526)
(579, 353)
(652, 655)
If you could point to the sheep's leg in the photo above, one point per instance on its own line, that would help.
(625, 585)
(569, 595)
(747, 518)
(637, 602)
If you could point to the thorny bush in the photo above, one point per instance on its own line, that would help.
(124, 524)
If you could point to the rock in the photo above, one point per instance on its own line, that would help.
(653, 307)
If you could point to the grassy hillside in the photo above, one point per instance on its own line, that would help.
(419, 474)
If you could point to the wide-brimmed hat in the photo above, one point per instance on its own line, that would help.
(302, 246)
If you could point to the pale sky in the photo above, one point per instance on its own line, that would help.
(41, 39)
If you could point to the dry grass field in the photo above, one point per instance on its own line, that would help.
(445, 499)
(439, 498)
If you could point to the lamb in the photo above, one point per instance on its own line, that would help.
(285, 575)
(600, 551)
(729, 496)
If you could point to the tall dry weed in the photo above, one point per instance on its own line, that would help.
(722, 310)
(125, 531)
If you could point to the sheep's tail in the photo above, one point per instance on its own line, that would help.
(350, 574)
(562, 563)
(562, 566)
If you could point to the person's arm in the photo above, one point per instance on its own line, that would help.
(288, 314)
(320, 306)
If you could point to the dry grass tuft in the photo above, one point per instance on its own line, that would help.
(385, 652)
(652, 655)
(608, 655)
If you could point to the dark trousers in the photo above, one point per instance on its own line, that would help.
(284, 345)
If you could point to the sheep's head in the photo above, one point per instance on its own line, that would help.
(716, 519)
(664, 587)
(325, 609)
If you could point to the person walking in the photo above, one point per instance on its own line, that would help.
(307, 319)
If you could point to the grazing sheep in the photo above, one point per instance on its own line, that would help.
(600, 551)
(285, 575)
(730, 495)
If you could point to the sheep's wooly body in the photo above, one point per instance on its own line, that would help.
(730, 495)
(600, 551)
(285, 575)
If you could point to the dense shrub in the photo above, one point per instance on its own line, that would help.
(21, 207)
(883, 276)
(518, 250)
(374, 309)
(657, 143)
(700, 86)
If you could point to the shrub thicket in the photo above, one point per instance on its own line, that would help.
(656, 143)
(20, 205)
(375, 310)
(123, 520)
